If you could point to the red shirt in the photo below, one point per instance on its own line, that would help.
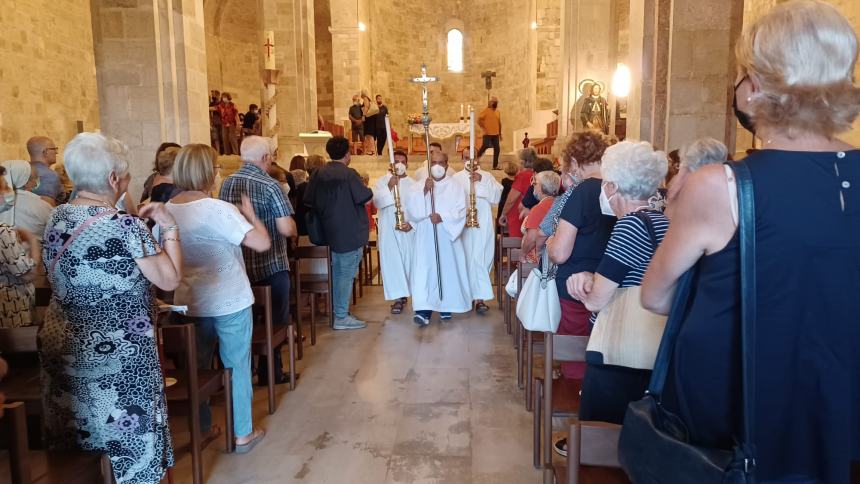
(534, 219)
(371, 211)
(228, 114)
(522, 182)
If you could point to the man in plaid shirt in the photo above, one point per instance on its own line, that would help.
(269, 268)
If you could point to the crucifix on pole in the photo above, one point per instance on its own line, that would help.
(425, 80)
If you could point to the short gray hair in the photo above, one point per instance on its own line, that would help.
(635, 168)
(91, 157)
(548, 181)
(528, 156)
(703, 151)
(254, 148)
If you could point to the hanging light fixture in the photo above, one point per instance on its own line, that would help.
(621, 81)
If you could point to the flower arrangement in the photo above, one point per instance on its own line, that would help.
(413, 119)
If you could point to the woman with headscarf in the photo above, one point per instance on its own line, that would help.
(20, 253)
(28, 211)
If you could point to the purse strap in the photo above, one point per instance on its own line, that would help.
(680, 304)
(86, 223)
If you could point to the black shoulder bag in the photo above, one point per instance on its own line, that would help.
(654, 446)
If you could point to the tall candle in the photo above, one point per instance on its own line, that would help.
(388, 134)
(269, 47)
(471, 134)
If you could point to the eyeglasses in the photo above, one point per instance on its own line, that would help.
(55, 148)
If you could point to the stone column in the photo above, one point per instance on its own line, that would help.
(586, 36)
(350, 55)
(293, 24)
(151, 70)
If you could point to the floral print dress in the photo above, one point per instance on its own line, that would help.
(101, 378)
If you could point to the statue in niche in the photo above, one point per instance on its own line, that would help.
(595, 111)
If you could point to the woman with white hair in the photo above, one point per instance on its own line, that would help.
(101, 378)
(545, 189)
(699, 153)
(632, 172)
(796, 91)
(28, 211)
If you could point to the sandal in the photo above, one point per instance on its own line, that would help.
(481, 308)
(397, 307)
(256, 437)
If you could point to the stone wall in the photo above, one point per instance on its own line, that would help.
(47, 73)
(403, 34)
(232, 54)
(548, 53)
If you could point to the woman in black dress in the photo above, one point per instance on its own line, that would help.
(795, 89)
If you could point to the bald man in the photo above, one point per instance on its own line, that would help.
(43, 154)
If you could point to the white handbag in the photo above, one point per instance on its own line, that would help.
(511, 286)
(538, 307)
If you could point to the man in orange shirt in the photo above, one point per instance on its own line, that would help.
(490, 122)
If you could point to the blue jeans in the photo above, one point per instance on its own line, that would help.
(344, 268)
(232, 332)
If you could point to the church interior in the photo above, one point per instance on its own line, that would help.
(454, 402)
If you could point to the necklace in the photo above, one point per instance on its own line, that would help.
(97, 200)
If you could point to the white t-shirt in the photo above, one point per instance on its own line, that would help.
(214, 282)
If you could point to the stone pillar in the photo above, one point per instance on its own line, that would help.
(151, 70)
(293, 24)
(586, 36)
(350, 55)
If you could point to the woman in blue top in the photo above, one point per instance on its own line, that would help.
(795, 89)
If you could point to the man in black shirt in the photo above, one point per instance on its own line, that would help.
(380, 134)
(336, 196)
(356, 116)
(250, 125)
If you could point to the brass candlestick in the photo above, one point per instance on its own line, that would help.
(472, 209)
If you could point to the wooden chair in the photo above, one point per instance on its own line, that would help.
(51, 467)
(268, 337)
(506, 245)
(555, 397)
(525, 338)
(592, 455)
(500, 282)
(313, 284)
(22, 384)
(511, 311)
(193, 386)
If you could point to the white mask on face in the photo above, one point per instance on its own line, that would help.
(605, 207)
(399, 169)
(437, 171)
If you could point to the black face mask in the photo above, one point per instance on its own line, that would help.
(742, 116)
(494, 105)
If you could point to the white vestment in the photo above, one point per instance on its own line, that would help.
(451, 206)
(420, 174)
(480, 243)
(395, 246)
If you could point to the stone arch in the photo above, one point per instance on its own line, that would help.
(232, 54)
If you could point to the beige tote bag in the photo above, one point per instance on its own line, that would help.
(625, 333)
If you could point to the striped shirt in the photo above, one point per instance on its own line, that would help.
(630, 248)
(269, 204)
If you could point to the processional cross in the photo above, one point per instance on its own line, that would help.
(425, 80)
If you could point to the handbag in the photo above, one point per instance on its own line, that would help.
(538, 307)
(513, 282)
(654, 445)
(625, 333)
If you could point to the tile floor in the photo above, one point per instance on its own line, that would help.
(392, 403)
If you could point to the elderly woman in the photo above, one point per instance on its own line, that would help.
(28, 211)
(510, 217)
(581, 236)
(214, 284)
(807, 398)
(632, 171)
(20, 254)
(703, 151)
(545, 187)
(101, 377)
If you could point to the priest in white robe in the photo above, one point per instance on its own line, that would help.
(395, 246)
(449, 218)
(480, 243)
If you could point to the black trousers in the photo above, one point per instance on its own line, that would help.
(380, 141)
(280, 284)
(607, 389)
(491, 141)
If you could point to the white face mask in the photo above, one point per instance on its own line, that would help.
(437, 172)
(399, 169)
(605, 207)
(7, 201)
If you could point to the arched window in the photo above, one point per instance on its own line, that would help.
(455, 50)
